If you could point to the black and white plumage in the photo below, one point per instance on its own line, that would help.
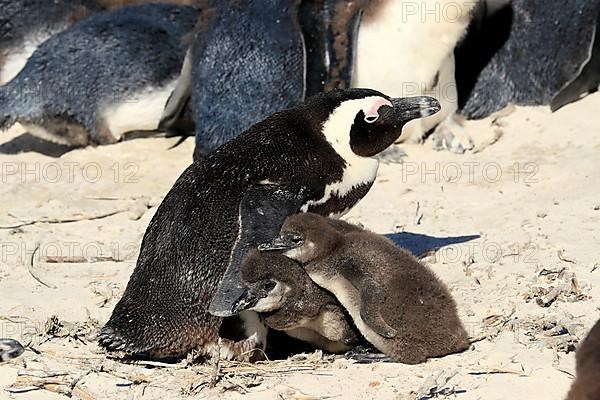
(316, 154)
(529, 53)
(249, 59)
(102, 77)
(25, 24)
(406, 48)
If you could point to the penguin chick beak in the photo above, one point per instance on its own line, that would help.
(282, 242)
(247, 299)
(415, 107)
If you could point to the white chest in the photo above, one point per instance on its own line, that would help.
(359, 171)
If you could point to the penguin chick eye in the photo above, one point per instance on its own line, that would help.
(269, 285)
(297, 239)
(369, 119)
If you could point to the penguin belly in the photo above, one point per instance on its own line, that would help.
(140, 112)
(420, 48)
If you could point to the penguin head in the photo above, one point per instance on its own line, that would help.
(267, 282)
(304, 238)
(364, 121)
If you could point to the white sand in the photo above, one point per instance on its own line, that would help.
(545, 200)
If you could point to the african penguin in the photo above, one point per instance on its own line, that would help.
(289, 301)
(25, 24)
(9, 349)
(587, 384)
(419, 38)
(397, 303)
(529, 53)
(316, 157)
(245, 63)
(102, 77)
(250, 59)
(330, 30)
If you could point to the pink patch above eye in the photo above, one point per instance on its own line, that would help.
(373, 111)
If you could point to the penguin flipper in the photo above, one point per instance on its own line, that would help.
(586, 82)
(372, 299)
(330, 32)
(175, 119)
(9, 349)
(263, 210)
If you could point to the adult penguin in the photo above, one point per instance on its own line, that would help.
(101, 78)
(529, 53)
(238, 73)
(316, 156)
(25, 24)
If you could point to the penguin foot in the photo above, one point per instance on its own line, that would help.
(392, 155)
(450, 135)
(9, 349)
(363, 355)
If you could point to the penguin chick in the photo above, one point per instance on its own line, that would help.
(587, 383)
(397, 303)
(102, 77)
(289, 301)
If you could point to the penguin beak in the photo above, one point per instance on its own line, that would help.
(282, 242)
(409, 108)
(247, 299)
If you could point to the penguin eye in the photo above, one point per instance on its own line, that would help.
(296, 238)
(269, 285)
(369, 119)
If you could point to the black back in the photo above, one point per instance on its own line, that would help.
(248, 64)
(547, 45)
(21, 18)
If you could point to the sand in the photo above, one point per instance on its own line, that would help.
(517, 218)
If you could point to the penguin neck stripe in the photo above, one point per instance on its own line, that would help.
(337, 127)
(357, 170)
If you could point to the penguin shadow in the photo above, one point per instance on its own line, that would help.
(419, 244)
(28, 142)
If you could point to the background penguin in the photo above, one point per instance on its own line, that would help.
(587, 383)
(238, 73)
(313, 157)
(9, 349)
(289, 301)
(397, 303)
(102, 77)
(420, 38)
(529, 53)
(25, 24)
(245, 63)
(330, 29)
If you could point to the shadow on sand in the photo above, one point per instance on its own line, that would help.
(27, 142)
(419, 244)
